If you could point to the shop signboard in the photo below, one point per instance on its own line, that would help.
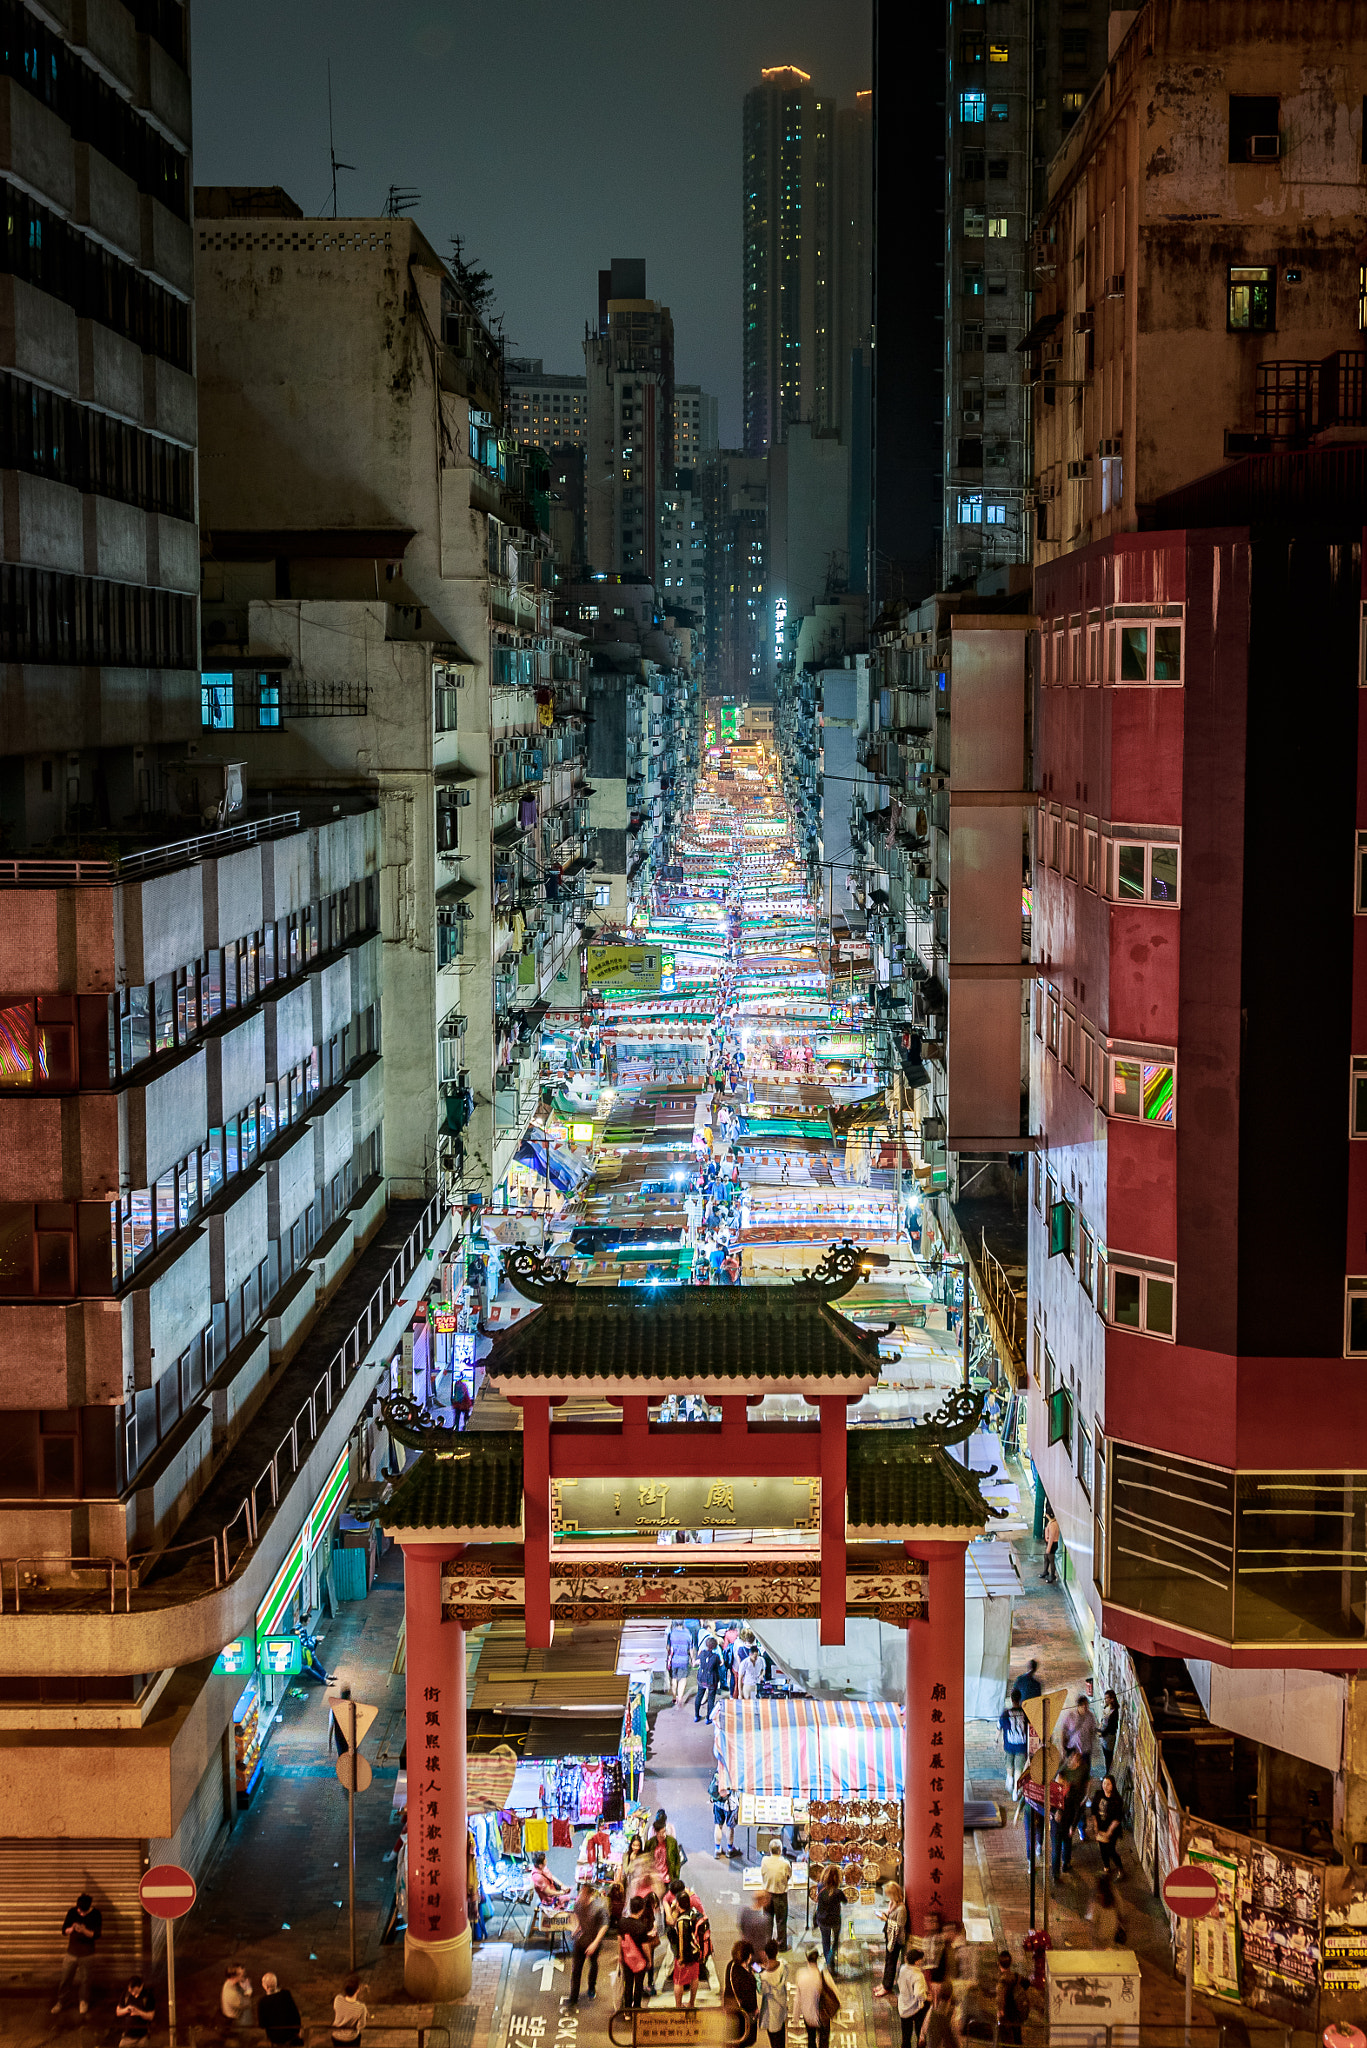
(647, 1506)
(291, 1571)
(1344, 1966)
(282, 1656)
(236, 1659)
(831, 1045)
(632, 967)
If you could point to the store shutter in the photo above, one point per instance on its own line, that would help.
(40, 1882)
(202, 1831)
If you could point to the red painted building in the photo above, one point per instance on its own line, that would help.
(1198, 1291)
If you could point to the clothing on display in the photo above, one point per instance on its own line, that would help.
(535, 1836)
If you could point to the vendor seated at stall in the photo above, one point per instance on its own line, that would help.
(551, 1894)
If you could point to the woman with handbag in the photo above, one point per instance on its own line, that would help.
(818, 2001)
(740, 1993)
(894, 1939)
(829, 1900)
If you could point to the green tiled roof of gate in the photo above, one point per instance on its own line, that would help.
(688, 1333)
(478, 1485)
(894, 1481)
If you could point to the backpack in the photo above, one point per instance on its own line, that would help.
(686, 1938)
(704, 1937)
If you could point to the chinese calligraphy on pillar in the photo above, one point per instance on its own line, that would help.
(935, 1802)
(425, 1843)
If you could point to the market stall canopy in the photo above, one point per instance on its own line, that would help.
(812, 1749)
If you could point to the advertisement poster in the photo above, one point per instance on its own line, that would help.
(637, 967)
(1345, 1959)
(1217, 1936)
(1279, 1920)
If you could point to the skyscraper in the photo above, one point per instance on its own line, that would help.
(629, 461)
(786, 296)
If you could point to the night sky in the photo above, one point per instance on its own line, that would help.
(552, 135)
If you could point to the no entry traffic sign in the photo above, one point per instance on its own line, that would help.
(1190, 1891)
(167, 1891)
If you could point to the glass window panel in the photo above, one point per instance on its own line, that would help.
(165, 1012)
(211, 987)
(1134, 654)
(1125, 1300)
(230, 976)
(188, 1182)
(249, 1134)
(1129, 873)
(1159, 1094)
(1163, 874)
(232, 1149)
(1158, 1308)
(137, 1236)
(212, 1156)
(1357, 1323)
(16, 1045)
(1167, 654)
(139, 1025)
(16, 1248)
(1125, 1088)
(1300, 1551)
(166, 1206)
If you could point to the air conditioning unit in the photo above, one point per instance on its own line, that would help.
(1263, 149)
(460, 797)
(1080, 470)
(972, 418)
(1115, 286)
(1115, 446)
(1083, 321)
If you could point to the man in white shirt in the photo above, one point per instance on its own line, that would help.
(775, 1873)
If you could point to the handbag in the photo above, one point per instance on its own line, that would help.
(829, 2004)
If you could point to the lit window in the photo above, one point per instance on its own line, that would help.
(970, 508)
(1146, 651)
(972, 106)
(999, 53)
(1355, 1318)
(1142, 1295)
(996, 227)
(1252, 301)
(1074, 102)
(1142, 1085)
(974, 223)
(216, 702)
(1000, 110)
(996, 512)
(1144, 871)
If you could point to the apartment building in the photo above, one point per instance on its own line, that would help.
(740, 634)
(695, 426)
(629, 455)
(1197, 272)
(377, 579)
(1018, 77)
(545, 410)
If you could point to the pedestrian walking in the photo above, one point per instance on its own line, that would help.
(940, 2030)
(349, 2013)
(235, 1999)
(723, 1799)
(740, 1992)
(636, 1943)
(1028, 1685)
(1015, 1731)
(829, 1900)
(82, 1927)
(590, 1932)
(688, 1956)
(277, 2014)
(817, 1999)
(773, 1996)
(1077, 1728)
(1104, 1914)
(775, 1874)
(1075, 1774)
(680, 1658)
(756, 1923)
(913, 1996)
(1013, 2001)
(1108, 1818)
(135, 2013)
(1051, 1543)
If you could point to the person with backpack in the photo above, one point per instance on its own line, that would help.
(1013, 2001)
(709, 1679)
(1015, 1732)
(688, 1957)
(913, 1996)
(818, 2001)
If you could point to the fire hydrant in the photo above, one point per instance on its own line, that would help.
(1037, 1944)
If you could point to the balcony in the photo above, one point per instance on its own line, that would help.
(1296, 400)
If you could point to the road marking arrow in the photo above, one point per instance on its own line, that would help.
(548, 1965)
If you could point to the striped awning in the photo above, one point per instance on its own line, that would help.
(812, 1749)
(768, 1746)
(860, 1750)
(489, 1780)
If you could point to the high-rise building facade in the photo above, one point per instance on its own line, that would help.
(740, 642)
(629, 455)
(695, 425)
(807, 201)
(545, 410)
(1015, 80)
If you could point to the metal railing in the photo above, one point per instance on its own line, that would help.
(69, 874)
(239, 1535)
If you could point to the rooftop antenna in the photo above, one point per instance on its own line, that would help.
(332, 154)
(400, 201)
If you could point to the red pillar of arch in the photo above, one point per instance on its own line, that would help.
(536, 1519)
(436, 1964)
(933, 1810)
(833, 1474)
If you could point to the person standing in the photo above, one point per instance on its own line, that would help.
(775, 1874)
(773, 1996)
(1075, 1774)
(1051, 1543)
(723, 1812)
(135, 2012)
(894, 1939)
(940, 2030)
(349, 2013)
(826, 1914)
(1015, 1731)
(913, 1996)
(686, 1937)
(756, 1923)
(1013, 2001)
(709, 1678)
(635, 1947)
(277, 2014)
(1109, 1729)
(1108, 1818)
(82, 1927)
(235, 1999)
(1077, 1728)
(590, 1931)
(740, 1992)
(817, 1999)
